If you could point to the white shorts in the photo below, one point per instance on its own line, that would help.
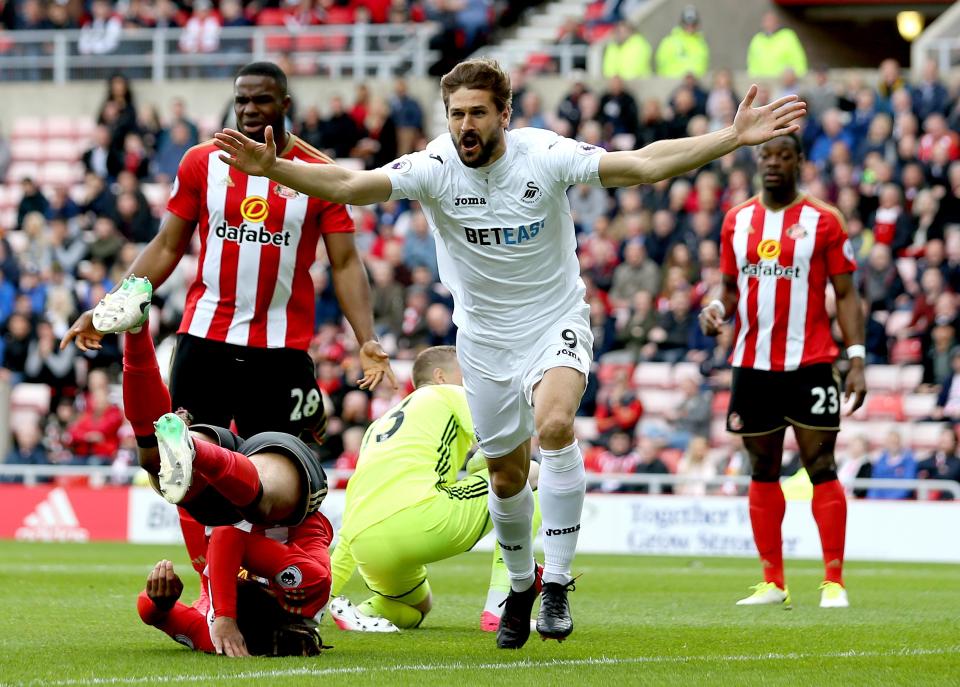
(499, 382)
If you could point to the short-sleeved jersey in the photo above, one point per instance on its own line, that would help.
(782, 260)
(257, 242)
(409, 455)
(506, 247)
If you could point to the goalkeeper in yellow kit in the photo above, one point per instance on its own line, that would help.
(405, 507)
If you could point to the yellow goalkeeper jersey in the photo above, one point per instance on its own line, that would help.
(409, 455)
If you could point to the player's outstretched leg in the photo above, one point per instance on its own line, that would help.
(126, 308)
(231, 473)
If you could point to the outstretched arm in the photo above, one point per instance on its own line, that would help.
(664, 159)
(328, 182)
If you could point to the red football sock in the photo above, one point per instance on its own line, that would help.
(145, 396)
(229, 472)
(767, 507)
(195, 540)
(830, 511)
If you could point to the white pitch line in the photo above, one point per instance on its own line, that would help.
(458, 665)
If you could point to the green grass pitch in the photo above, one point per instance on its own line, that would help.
(67, 617)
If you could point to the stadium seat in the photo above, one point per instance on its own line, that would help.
(8, 218)
(885, 407)
(911, 376)
(906, 352)
(924, 435)
(721, 401)
(585, 428)
(683, 370)
(61, 150)
(60, 173)
(21, 170)
(27, 127)
(653, 375)
(918, 406)
(657, 401)
(61, 126)
(607, 373)
(883, 378)
(25, 149)
(30, 397)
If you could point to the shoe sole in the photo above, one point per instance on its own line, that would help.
(176, 458)
(559, 636)
(113, 327)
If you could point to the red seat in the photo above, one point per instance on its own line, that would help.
(906, 352)
(885, 407)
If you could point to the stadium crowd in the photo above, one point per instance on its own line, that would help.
(883, 150)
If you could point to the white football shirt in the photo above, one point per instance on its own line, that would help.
(506, 246)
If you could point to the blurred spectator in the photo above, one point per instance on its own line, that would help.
(854, 463)
(619, 457)
(201, 34)
(419, 247)
(94, 435)
(684, 50)
(635, 333)
(938, 358)
(881, 284)
(440, 327)
(650, 463)
(100, 35)
(948, 400)
(310, 128)
(101, 158)
(32, 200)
(636, 273)
(170, 152)
(618, 408)
(774, 50)
(572, 34)
(47, 364)
(15, 347)
(833, 132)
(943, 463)
(27, 447)
(894, 462)
(821, 95)
(938, 137)
(890, 80)
(627, 55)
(340, 131)
(695, 464)
(618, 109)
(930, 95)
(670, 339)
(407, 116)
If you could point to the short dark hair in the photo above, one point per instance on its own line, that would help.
(430, 359)
(794, 138)
(267, 69)
(481, 73)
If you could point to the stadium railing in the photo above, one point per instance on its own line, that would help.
(381, 50)
(565, 55)
(31, 474)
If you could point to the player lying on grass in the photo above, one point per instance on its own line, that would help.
(405, 507)
(251, 616)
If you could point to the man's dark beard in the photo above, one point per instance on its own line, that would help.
(486, 152)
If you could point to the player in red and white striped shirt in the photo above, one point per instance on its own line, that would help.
(249, 314)
(778, 253)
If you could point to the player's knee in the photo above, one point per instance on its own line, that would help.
(823, 469)
(555, 428)
(507, 482)
(765, 472)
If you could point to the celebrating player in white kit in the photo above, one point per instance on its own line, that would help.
(496, 201)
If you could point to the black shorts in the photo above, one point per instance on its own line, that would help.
(209, 507)
(261, 389)
(763, 402)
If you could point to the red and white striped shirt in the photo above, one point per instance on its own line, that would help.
(258, 240)
(782, 261)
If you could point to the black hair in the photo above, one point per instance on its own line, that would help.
(797, 145)
(267, 69)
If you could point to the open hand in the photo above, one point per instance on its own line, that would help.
(855, 389)
(245, 154)
(376, 366)
(84, 333)
(755, 125)
(227, 639)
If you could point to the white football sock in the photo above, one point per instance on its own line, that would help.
(512, 518)
(562, 484)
